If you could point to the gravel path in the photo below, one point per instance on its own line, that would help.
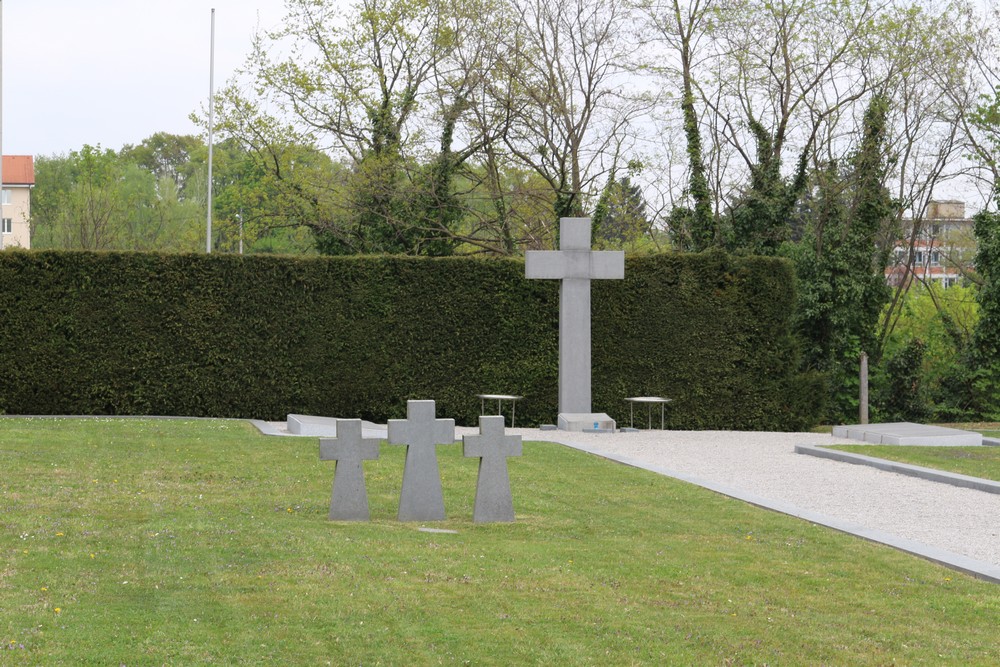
(962, 521)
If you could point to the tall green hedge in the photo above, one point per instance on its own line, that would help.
(231, 336)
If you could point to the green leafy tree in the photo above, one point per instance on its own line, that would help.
(354, 86)
(97, 199)
(171, 156)
(90, 207)
(943, 319)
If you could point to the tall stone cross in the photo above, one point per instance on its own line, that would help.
(575, 264)
(349, 500)
(493, 498)
(421, 498)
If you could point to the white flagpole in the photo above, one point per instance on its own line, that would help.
(211, 128)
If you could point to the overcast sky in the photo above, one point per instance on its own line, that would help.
(113, 72)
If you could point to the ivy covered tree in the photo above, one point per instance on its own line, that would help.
(984, 364)
(841, 268)
(758, 222)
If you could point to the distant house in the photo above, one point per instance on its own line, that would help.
(941, 250)
(18, 179)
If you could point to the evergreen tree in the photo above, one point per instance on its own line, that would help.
(620, 217)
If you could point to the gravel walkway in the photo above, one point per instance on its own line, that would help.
(956, 520)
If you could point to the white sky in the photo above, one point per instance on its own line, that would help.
(112, 72)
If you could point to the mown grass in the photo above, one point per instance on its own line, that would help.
(981, 462)
(989, 429)
(146, 542)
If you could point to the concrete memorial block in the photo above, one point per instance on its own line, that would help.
(349, 501)
(493, 498)
(421, 498)
(575, 264)
(908, 433)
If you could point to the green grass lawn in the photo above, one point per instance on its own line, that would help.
(989, 429)
(145, 542)
(981, 462)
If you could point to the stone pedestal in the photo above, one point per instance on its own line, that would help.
(597, 422)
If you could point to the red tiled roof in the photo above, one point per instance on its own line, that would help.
(18, 170)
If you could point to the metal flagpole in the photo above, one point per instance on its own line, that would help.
(211, 128)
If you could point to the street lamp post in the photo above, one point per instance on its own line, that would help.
(211, 127)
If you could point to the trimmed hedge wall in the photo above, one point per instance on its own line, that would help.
(231, 336)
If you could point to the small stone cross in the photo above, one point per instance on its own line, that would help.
(421, 498)
(493, 498)
(575, 264)
(349, 501)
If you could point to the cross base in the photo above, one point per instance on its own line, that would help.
(586, 421)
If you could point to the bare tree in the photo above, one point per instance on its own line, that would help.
(572, 117)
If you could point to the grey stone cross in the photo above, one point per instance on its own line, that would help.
(575, 264)
(349, 500)
(493, 498)
(421, 499)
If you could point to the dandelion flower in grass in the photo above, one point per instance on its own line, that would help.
(58, 610)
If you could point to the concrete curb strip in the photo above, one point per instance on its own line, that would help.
(930, 474)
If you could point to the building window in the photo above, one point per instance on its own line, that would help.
(5, 225)
(6, 196)
(935, 258)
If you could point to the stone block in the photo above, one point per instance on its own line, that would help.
(580, 421)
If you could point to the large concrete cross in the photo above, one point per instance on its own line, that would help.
(349, 500)
(421, 498)
(575, 264)
(492, 447)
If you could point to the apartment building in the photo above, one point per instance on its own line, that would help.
(18, 179)
(941, 250)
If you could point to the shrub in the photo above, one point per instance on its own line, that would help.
(262, 336)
